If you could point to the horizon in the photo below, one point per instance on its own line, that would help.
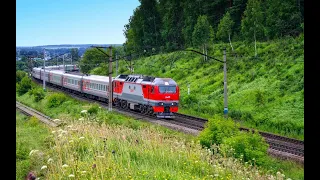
(69, 45)
(45, 23)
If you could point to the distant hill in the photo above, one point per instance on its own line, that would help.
(65, 46)
(53, 50)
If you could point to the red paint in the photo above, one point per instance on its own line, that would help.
(174, 109)
(118, 86)
(158, 108)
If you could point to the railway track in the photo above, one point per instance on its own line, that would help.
(31, 112)
(279, 146)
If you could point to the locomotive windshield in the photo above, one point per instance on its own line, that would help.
(167, 89)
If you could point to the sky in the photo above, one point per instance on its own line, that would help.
(55, 22)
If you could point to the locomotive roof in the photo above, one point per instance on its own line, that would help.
(164, 81)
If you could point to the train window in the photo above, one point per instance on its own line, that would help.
(152, 89)
(167, 89)
(129, 87)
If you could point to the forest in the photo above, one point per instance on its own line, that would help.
(165, 26)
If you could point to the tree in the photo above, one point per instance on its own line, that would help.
(252, 23)
(282, 18)
(225, 28)
(172, 24)
(19, 75)
(201, 33)
(190, 15)
(92, 58)
(24, 86)
(74, 54)
(143, 28)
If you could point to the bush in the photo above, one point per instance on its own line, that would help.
(20, 75)
(24, 86)
(55, 99)
(37, 93)
(33, 121)
(217, 129)
(189, 99)
(93, 109)
(249, 146)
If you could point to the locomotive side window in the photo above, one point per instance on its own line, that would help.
(144, 86)
(152, 89)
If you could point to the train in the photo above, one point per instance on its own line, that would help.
(147, 94)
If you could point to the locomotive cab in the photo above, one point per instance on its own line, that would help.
(166, 92)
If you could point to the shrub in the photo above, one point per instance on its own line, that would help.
(20, 75)
(216, 130)
(33, 121)
(24, 86)
(249, 146)
(37, 93)
(93, 109)
(55, 99)
(189, 99)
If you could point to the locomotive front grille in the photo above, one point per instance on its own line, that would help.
(166, 109)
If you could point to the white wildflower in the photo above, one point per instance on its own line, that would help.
(84, 111)
(83, 172)
(38, 178)
(65, 166)
(33, 151)
(71, 175)
(289, 179)
(71, 141)
(81, 137)
(50, 160)
(100, 156)
(57, 120)
(81, 119)
(53, 132)
(44, 167)
(216, 175)
(283, 175)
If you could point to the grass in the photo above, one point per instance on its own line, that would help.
(30, 135)
(141, 150)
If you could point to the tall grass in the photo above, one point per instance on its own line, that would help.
(87, 150)
(30, 135)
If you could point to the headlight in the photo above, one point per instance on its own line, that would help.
(174, 104)
(161, 103)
